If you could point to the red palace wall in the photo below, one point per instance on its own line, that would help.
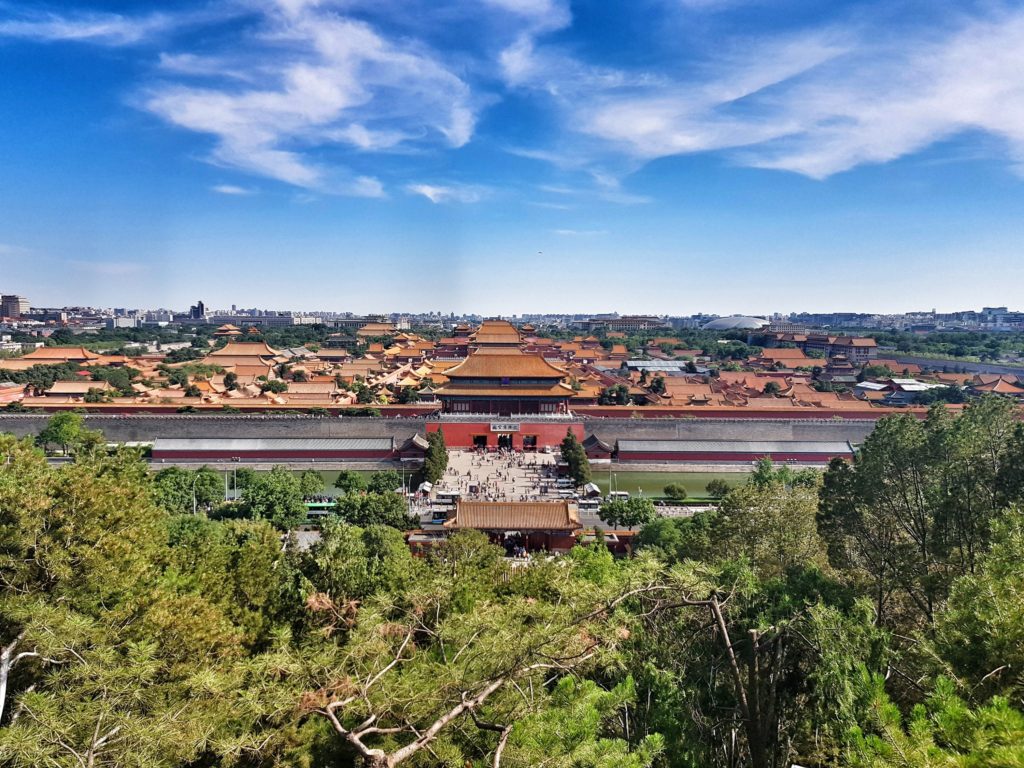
(732, 457)
(297, 455)
(460, 434)
(750, 412)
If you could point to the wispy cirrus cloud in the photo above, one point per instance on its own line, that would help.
(448, 193)
(108, 268)
(817, 102)
(542, 15)
(325, 95)
(710, 5)
(110, 29)
(298, 84)
(329, 81)
(7, 249)
(233, 190)
(580, 232)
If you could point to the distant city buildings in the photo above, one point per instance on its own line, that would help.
(13, 306)
(468, 372)
(17, 309)
(625, 323)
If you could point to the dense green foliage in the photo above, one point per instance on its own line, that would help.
(375, 508)
(275, 496)
(615, 395)
(717, 488)
(574, 455)
(628, 513)
(350, 481)
(435, 463)
(42, 377)
(868, 616)
(675, 491)
(68, 431)
(180, 491)
(983, 346)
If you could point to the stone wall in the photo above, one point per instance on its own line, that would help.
(147, 428)
(121, 429)
(611, 430)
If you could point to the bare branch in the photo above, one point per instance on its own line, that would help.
(741, 693)
(389, 667)
(504, 732)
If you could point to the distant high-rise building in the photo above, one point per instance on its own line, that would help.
(197, 312)
(14, 306)
(625, 323)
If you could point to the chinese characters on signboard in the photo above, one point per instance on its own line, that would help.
(504, 426)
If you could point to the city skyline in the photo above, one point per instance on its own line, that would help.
(509, 157)
(76, 313)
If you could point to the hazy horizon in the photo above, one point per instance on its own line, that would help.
(514, 156)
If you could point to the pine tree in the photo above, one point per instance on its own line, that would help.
(436, 461)
(574, 455)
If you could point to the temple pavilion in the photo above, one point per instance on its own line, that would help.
(504, 381)
(499, 378)
(549, 526)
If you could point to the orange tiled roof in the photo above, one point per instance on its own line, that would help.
(498, 363)
(516, 516)
(497, 332)
(1001, 386)
(376, 329)
(854, 341)
(20, 364)
(781, 353)
(553, 390)
(51, 354)
(245, 349)
(78, 387)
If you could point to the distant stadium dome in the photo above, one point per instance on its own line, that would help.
(735, 323)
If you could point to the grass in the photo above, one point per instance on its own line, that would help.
(653, 483)
(329, 477)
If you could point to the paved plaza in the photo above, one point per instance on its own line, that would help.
(501, 476)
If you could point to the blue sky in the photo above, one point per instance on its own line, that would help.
(501, 156)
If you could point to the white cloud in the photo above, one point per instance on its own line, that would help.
(710, 5)
(108, 268)
(816, 104)
(369, 139)
(553, 206)
(194, 65)
(231, 189)
(448, 193)
(581, 232)
(304, 90)
(542, 15)
(905, 98)
(325, 80)
(98, 28)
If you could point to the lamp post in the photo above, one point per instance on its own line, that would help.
(194, 481)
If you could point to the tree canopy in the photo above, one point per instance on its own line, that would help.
(867, 616)
(574, 455)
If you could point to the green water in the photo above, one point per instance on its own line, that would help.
(653, 483)
(329, 477)
(650, 483)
